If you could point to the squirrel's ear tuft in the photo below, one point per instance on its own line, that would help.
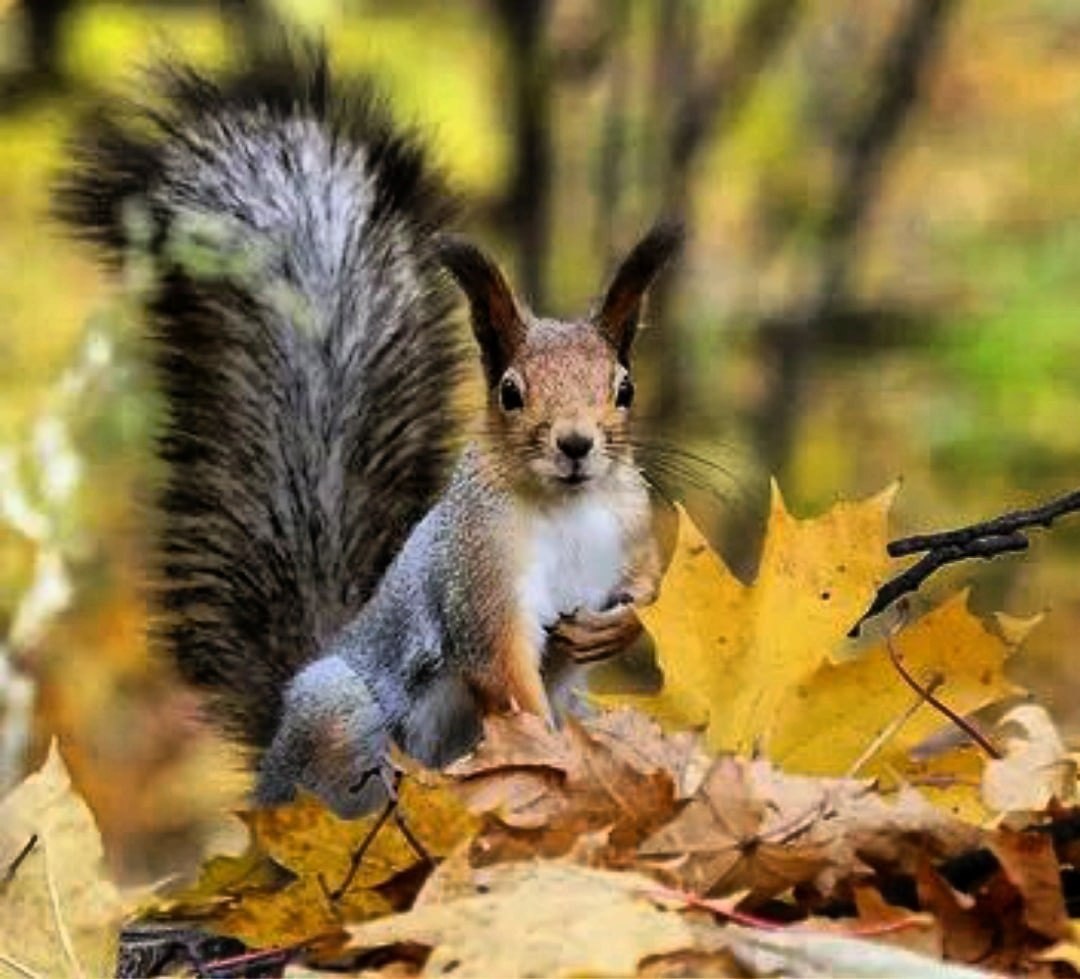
(497, 321)
(618, 316)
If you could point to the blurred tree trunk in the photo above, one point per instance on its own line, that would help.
(696, 106)
(527, 210)
(788, 341)
(611, 160)
(45, 19)
(44, 35)
(251, 22)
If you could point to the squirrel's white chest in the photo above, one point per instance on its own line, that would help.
(574, 557)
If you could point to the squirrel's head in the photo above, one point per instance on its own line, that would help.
(559, 393)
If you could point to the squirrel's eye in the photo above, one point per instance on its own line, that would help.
(510, 396)
(624, 395)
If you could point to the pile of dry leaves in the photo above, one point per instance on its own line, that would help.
(788, 803)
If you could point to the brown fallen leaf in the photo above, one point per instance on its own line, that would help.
(514, 741)
(1029, 862)
(966, 935)
(544, 918)
(641, 742)
(552, 788)
(517, 771)
(59, 913)
(894, 925)
(854, 827)
(719, 843)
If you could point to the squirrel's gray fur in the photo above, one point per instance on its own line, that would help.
(385, 677)
(311, 578)
(302, 338)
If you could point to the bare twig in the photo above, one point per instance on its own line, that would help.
(411, 838)
(1005, 526)
(357, 856)
(391, 783)
(910, 580)
(1001, 535)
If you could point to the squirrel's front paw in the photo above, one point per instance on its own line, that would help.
(639, 591)
(588, 636)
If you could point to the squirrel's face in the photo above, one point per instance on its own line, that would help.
(560, 410)
(559, 393)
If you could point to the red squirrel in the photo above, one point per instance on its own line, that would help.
(326, 572)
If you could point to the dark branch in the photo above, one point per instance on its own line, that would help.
(1001, 535)
(1003, 526)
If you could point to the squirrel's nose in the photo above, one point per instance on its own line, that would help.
(574, 446)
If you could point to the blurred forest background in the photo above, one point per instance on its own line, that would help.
(882, 281)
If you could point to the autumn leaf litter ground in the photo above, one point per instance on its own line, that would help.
(782, 804)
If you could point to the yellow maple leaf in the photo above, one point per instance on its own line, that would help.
(732, 653)
(834, 717)
(757, 666)
(312, 851)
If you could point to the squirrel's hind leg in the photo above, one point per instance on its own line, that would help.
(442, 724)
(332, 740)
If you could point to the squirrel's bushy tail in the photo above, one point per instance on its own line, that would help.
(303, 342)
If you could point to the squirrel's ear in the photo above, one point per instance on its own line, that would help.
(497, 321)
(619, 313)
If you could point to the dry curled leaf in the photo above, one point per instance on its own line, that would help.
(966, 934)
(1029, 863)
(719, 843)
(1036, 767)
(853, 828)
(545, 918)
(59, 913)
(550, 789)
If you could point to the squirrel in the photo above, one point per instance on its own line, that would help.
(327, 573)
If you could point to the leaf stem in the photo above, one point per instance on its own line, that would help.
(926, 693)
(13, 867)
(725, 910)
(261, 956)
